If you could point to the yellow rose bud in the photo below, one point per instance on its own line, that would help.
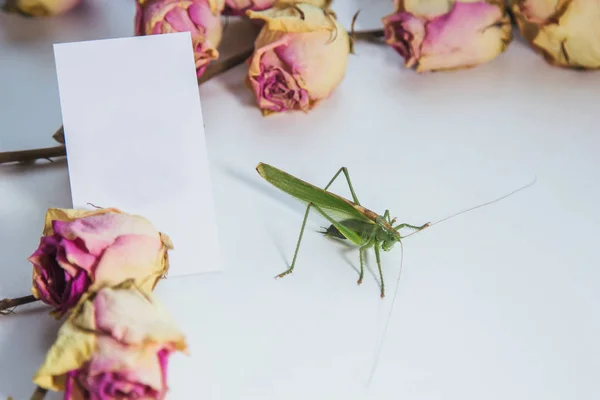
(300, 57)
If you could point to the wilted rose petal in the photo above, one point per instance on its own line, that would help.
(565, 32)
(441, 35)
(239, 7)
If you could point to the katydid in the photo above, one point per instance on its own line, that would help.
(349, 219)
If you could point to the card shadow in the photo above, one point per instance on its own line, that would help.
(258, 186)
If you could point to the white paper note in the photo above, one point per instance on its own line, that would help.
(135, 138)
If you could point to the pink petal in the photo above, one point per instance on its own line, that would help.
(179, 20)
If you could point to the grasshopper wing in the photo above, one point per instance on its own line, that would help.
(333, 207)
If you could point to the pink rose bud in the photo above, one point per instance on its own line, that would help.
(202, 18)
(240, 7)
(566, 32)
(40, 8)
(115, 345)
(445, 35)
(81, 250)
(300, 57)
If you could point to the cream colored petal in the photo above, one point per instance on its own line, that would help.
(538, 11)
(43, 8)
(316, 3)
(72, 349)
(434, 8)
(289, 19)
(575, 39)
(135, 317)
(425, 8)
(131, 257)
(318, 64)
(216, 6)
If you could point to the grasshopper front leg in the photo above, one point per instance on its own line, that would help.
(379, 267)
(362, 268)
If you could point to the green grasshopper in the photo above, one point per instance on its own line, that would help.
(349, 219)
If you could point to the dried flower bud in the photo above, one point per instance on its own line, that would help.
(444, 35)
(300, 57)
(202, 18)
(114, 345)
(83, 249)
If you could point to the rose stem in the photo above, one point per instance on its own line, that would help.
(368, 35)
(19, 301)
(60, 151)
(39, 394)
(224, 66)
(32, 155)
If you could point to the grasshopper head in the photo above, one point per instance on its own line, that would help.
(387, 235)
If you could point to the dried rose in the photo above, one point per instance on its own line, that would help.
(40, 8)
(81, 250)
(239, 7)
(445, 35)
(565, 32)
(202, 18)
(114, 345)
(300, 57)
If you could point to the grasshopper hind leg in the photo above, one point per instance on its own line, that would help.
(291, 268)
(332, 230)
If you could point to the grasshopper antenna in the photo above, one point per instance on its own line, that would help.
(389, 317)
(387, 321)
(477, 206)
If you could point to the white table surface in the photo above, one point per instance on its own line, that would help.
(500, 303)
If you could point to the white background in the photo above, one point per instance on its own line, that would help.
(496, 304)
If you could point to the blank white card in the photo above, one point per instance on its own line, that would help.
(135, 138)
